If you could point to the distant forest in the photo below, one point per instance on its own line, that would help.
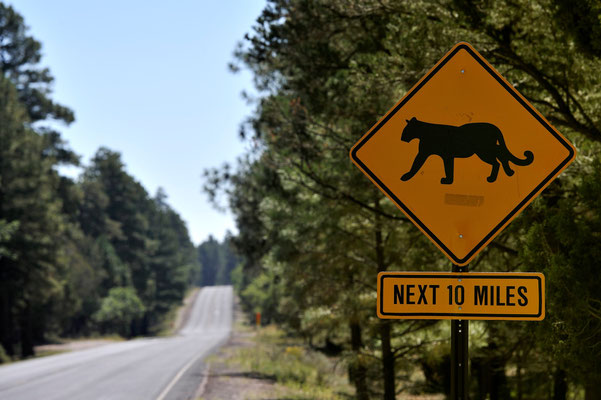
(218, 260)
(86, 256)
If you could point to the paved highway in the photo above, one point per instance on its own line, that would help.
(144, 369)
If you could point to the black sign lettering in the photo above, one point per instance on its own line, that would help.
(459, 294)
(410, 294)
(499, 303)
(481, 295)
(398, 294)
(510, 295)
(422, 294)
(522, 290)
(434, 287)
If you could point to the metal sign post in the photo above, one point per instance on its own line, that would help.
(459, 353)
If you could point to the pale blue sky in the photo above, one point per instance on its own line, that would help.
(150, 79)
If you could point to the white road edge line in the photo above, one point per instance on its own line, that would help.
(203, 384)
(178, 376)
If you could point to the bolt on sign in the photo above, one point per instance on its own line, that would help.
(462, 153)
(441, 295)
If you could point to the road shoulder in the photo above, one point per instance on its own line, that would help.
(226, 379)
(265, 363)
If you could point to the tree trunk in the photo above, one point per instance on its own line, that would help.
(357, 371)
(6, 323)
(560, 385)
(592, 391)
(387, 361)
(519, 379)
(387, 355)
(480, 369)
(493, 369)
(499, 389)
(26, 330)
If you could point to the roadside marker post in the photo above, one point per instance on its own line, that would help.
(258, 319)
(461, 155)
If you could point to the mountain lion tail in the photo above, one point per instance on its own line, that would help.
(527, 160)
(528, 156)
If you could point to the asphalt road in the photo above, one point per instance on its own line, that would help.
(145, 369)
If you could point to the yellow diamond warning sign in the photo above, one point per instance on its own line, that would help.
(462, 153)
(439, 295)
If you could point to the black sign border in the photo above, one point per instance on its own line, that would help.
(513, 212)
(462, 276)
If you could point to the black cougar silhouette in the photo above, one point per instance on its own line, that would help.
(449, 142)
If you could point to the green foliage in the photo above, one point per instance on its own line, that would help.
(33, 231)
(137, 240)
(20, 55)
(217, 261)
(262, 295)
(7, 229)
(565, 238)
(30, 263)
(582, 20)
(304, 372)
(173, 264)
(314, 232)
(119, 310)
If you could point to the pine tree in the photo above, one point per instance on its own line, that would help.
(30, 264)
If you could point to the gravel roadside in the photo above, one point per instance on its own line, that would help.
(227, 381)
(224, 379)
